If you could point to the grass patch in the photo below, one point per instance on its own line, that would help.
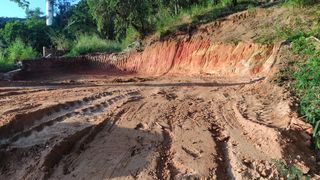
(91, 44)
(299, 3)
(305, 74)
(290, 25)
(198, 14)
(289, 172)
(307, 83)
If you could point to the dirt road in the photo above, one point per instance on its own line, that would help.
(157, 129)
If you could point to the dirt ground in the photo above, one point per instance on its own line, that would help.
(148, 128)
(191, 126)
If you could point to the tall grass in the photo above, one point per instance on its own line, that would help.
(196, 14)
(308, 85)
(299, 3)
(168, 21)
(91, 44)
(307, 81)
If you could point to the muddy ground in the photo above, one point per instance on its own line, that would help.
(148, 128)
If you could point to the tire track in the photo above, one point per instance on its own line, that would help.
(27, 120)
(88, 111)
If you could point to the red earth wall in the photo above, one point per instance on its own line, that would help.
(200, 57)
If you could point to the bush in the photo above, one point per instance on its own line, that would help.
(19, 51)
(92, 43)
(131, 36)
(4, 65)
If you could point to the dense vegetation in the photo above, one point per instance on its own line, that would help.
(99, 25)
(307, 79)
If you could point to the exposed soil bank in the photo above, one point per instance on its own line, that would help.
(197, 57)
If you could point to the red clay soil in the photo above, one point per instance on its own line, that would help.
(202, 57)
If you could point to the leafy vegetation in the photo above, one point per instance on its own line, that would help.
(18, 50)
(97, 25)
(108, 25)
(92, 43)
(299, 3)
(306, 76)
(290, 172)
(308, 83)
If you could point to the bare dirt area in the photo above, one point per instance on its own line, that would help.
(157, 129)
(183, 108)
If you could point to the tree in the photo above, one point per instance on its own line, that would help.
(113, 17)
(22, 3)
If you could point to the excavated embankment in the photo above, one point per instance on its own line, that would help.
(197, 57)
(204, 112)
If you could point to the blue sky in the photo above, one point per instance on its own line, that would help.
(11, 9)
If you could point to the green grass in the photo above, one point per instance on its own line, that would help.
(308, 83)
(299, 3)
(91, 44)
(306, 76)
(289, 172)
(197, 14)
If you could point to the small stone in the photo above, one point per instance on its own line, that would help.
(193, 152)
(141, 126)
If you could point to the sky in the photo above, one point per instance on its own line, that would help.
(11, 9)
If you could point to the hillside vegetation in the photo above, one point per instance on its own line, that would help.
(113, 23)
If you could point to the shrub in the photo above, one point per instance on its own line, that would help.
(92, 43)
(19, 51)
(131, 36)
(4, 65)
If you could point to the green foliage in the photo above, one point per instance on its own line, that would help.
(289, 172)
(4, 65)
(114, 17)
(18, 51)
(166, 21)
(32, 31)
(22, 3)
(131, 36)
(307, 84)
(299, 3)
(92, 43)
(60, 40)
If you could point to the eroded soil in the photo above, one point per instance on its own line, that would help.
(150, 129)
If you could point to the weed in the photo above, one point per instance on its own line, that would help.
(92, 43)
(307, 81)
(299, 3)
(289, 172)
